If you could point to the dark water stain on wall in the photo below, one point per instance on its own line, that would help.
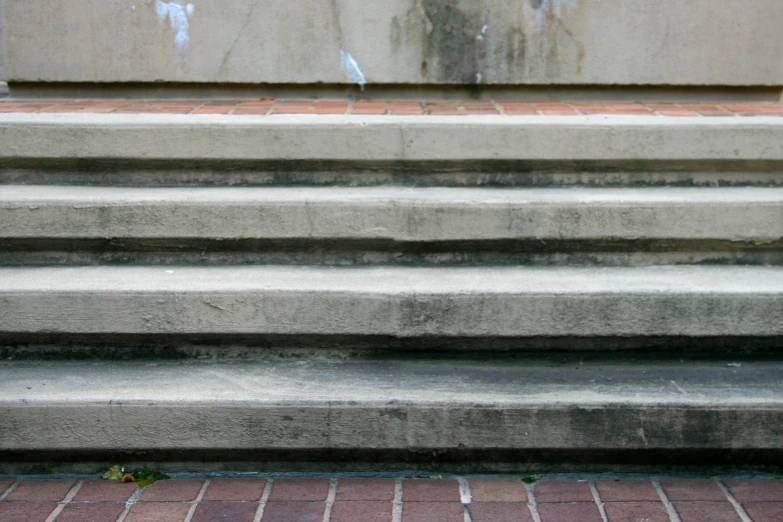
(395, 34)
(556, 36)
(453, 48)
(516, 47)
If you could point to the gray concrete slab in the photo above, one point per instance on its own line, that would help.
(389, 405)
(400, 214)
(122, 138)
(542, 42)
(396, 301)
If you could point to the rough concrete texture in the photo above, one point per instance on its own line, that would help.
(392, 213)
(403, 302)
(649, 42)
(387, 138)
(377, 406)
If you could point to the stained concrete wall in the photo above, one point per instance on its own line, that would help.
(567, 42)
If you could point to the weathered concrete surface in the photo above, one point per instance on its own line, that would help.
(647, 42)
(382, 406)
(392, 213)
(387, 138)
(401, 302)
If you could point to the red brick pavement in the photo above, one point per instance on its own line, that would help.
(502, 499)
(394, 107)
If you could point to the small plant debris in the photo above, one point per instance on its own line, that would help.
(147, 477)
(780, 478)
(142, 478)
(530, 479)
(114, 473)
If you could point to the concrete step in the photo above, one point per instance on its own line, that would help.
(465, 415)
(400, 214)
(47, 224)
(398, 302)
(418, 150)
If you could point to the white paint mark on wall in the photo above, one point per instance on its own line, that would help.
(479, 77)
(351, 68)
(178, 16)
(555, 8)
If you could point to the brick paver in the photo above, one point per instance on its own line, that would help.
(303, 499)
(53, 490)
(499, 512)
(366, 511)
(569, 512)
(765, 511)
(365, 489)
(158, 512)
(396, 107)
(636, 512)
(4, 485)
(433, 512)
(627, 490)
(430, 491)
(215, 511)
(300, 489)
(172, 491)
(99, 512)
(497, 491)
(756, 490)
(706, 512)
(294, 511)
(563, 491)
(26, 511)
(235, 489)
(692, 489)
(104, 491)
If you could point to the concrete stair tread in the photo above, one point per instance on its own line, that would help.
(322, 380)
(386, 138)
(394, 213)
(387, 405)
(396, 301)
(679, 280)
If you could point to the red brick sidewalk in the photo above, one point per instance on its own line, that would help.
(400, 107)
(393, 500)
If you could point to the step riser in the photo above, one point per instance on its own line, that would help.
(385, 138)
(179, 173)
(334, 314)
(386, 428)
(418, 215)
